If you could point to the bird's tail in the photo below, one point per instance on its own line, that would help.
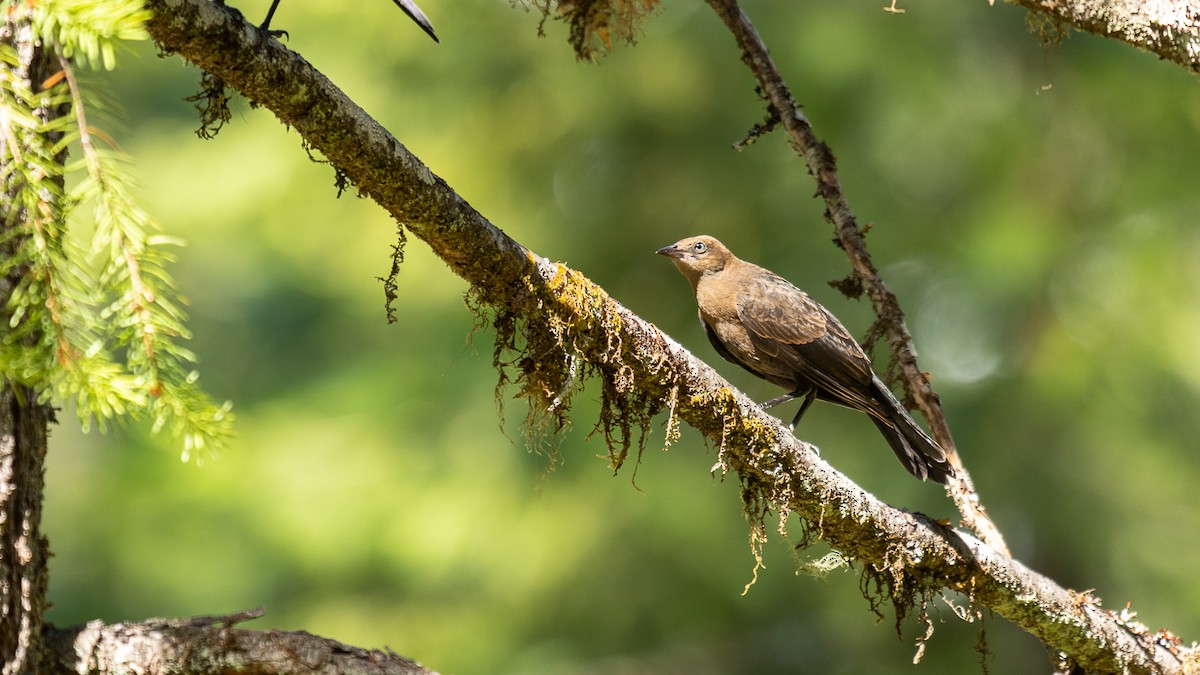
(919, 453)
(410, 8)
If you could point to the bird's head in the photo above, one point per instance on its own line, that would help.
(697, 256)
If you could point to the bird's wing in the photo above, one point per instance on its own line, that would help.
(789, 326)
(725, 352)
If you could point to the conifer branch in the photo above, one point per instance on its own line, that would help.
(66, 322)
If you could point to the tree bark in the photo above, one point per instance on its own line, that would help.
(1169, 29)
(910, 555)
(211, 646)
(24, 421)
(23, 550)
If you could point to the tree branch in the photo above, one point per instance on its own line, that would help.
(1168, 28)
(909, 554)
(210, 645)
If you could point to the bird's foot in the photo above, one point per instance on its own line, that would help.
(274, 32)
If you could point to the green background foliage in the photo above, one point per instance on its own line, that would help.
(1035, 209)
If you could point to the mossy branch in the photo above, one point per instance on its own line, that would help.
(569, 317)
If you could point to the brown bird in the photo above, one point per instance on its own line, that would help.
(760, 321)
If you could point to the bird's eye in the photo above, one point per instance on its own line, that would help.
(699, 247)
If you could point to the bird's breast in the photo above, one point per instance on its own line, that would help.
(718, 311)
(716, 296)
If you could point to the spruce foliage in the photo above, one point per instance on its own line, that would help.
(98, 322)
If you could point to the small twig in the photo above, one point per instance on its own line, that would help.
(759, 130)
(224, 620)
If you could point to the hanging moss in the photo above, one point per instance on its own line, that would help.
(552, 335)
(212, 104)
(596, 24)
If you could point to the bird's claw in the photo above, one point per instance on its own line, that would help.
(274, 32)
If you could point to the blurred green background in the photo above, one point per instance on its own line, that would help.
(1036, 210)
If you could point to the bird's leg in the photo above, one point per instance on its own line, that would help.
(782, 399)
(812, 396)
(266, 24)
(809, 395)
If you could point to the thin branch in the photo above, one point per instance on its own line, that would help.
(1169, 29)
(139, 293)
(913, 551)
(851, 237)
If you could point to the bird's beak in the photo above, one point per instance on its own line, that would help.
(671, 251)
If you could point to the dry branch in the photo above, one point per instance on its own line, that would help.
(912, 555)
